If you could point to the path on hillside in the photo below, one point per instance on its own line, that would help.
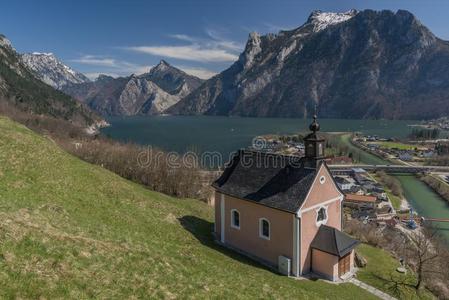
(371, 289)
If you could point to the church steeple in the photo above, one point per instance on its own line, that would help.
(314, 126)
(314, 143)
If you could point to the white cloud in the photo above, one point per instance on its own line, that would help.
(95, 61)
(194, 52)
(183, 37)
(214, 48)
(276, 28)
(110, 66)
(198, 72)
(219, 41)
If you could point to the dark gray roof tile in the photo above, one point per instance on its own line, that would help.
(273, 180)
(333, 241)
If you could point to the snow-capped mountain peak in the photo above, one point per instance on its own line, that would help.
(51, 70)
(321, 20)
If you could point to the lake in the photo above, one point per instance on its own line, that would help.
(227, 134)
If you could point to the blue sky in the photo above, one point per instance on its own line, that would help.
(202, 37)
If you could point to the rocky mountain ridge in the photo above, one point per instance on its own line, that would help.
(51, 70)
(367, 64)
(147, 94)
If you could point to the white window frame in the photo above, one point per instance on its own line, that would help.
(232, 219)
(261, 229)
(322, 179)
(318, 223)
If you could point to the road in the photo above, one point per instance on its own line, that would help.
(393, 168)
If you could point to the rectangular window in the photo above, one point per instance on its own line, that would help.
(235, 219)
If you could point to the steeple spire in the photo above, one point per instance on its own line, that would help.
(314, 126)
(314, 143)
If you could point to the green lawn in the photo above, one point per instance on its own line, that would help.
(69, 229)
(395, 200)
(397, 145)
(381, 273)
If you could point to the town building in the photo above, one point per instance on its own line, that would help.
(343, 183)
(285, 211)
(360, 201)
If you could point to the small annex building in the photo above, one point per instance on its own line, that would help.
(285, 211)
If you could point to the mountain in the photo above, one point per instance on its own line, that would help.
(100, 95)
(51, 70)
(367, 64)
(20, 87)
(149, 94)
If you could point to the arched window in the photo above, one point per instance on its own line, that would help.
(235, 219)
(321, 216)
(264, 228)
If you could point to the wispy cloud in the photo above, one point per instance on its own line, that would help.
(214, 48)
(198, 72)
(219, 41)
(275, 27)
(190, 52)
(110, 66)
(116, 68)
(95, 61)
(182, 37)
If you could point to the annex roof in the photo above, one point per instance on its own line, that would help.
(333, 241)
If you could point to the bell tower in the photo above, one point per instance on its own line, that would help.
(314, 144)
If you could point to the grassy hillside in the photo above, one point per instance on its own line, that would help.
(69, 229)
(380, 272)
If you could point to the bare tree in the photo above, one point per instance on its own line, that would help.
(427, 255)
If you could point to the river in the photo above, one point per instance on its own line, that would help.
(420, 196)
(225, 135)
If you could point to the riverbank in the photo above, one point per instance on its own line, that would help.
(440, 187)
(418, 195)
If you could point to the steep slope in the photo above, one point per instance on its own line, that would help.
(100, 95)
(19, 87)
(51, 70)
(366, 64)
(73, 230)
(148, 94)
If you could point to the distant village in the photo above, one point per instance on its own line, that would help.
(440, 123)
(366, 198)
(420, 152)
